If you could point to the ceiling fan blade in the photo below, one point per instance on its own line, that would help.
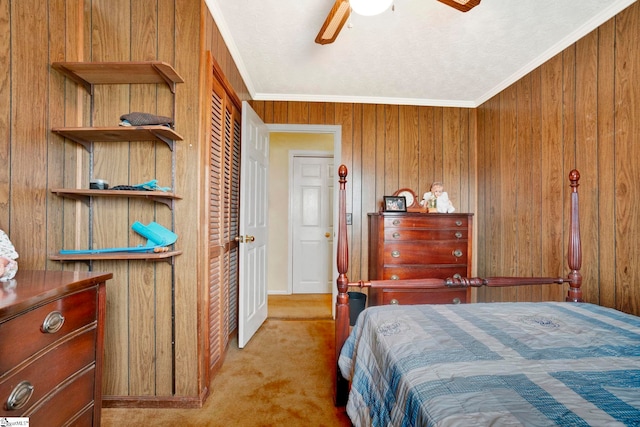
(335, 21)
(461, 5)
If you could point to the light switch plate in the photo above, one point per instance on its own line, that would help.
(348, 219)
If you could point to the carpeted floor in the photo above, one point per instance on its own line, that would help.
(300, 306)
(283, 377)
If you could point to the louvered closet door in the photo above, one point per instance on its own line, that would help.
(224, 172)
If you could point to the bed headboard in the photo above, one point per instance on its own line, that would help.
(574, 278)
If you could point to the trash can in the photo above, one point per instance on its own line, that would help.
(357, 302)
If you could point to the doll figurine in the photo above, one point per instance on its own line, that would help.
(437, 200)
(8, 256)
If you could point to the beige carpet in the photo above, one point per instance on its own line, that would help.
(283, 377)
(300, 306)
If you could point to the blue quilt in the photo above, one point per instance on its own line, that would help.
(498, 364)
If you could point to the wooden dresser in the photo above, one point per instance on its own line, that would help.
(411, 245)
(51, 344)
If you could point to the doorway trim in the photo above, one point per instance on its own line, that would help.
(336, 130)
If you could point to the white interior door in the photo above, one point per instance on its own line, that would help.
(252, 275)
(312, 224)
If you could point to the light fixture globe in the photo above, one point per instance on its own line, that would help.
(369, 7)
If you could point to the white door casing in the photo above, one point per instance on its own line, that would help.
(252, 275)
(311, 217)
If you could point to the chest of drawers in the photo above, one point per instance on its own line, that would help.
(415, 246)
(51, 340)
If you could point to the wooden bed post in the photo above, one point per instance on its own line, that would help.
(342, 300)
(575, 248)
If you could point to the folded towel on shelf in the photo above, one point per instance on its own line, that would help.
(144, 119)
(158, 238)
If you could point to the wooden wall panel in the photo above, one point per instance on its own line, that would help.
(142, 168)
(5, 116)
(554, 248)
(55, 158)
(627, 179)
(606, 157)
(586, 153)
(584, 114)
(163, 295)
(358, 222)
(523, 174)
(190, 226)
(369, 161)
(28, 128)
(111, 162)
(74, 232)
(536, 181)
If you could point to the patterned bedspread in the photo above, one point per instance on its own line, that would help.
(498, 364)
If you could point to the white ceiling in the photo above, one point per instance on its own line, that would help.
(422, 53)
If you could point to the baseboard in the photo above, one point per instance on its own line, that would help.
(185, 402)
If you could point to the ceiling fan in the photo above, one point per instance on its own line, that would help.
(341, 11)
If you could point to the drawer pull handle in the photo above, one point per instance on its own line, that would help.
(458, 235)
(396, 222)
(457, 253)
(19, 396)
(394, 277)
(394, 302)
(395, 254)
(458, 223)
(396, 235)
(53, 322)
(456, 300)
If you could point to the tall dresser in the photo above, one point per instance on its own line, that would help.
(413, 245)
(51, 344)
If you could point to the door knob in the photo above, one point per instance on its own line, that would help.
(245, 239)
(327, 235)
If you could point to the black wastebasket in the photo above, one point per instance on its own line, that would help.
(357, 302)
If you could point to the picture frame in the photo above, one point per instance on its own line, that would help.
(395, 204)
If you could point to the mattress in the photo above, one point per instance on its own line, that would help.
(498, 364)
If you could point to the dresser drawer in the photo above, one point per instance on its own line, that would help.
(416, 234)
(69, 401)
(433, 222)
(422, 272)
(422, 296)
(24, 336)
(432, 253)
(46, 372)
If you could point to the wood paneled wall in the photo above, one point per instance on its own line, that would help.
(154, 338)
(387, 147)
(579, 110)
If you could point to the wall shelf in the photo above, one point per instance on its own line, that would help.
(85, 195)
(86, 135)
(145, 256)
(88, 74)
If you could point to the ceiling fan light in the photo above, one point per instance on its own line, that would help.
(370, 7)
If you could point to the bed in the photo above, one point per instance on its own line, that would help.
(500, 364)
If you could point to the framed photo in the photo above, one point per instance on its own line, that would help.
(395, 204)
